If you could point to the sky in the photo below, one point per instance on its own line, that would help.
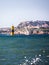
(12, 12)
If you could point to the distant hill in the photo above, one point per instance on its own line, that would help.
(34, 23)
(29, 27)
(33, 27)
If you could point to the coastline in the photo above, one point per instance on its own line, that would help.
(27, 28)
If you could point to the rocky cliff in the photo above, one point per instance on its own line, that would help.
(33, 27)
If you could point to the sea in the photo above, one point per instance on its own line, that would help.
(24, 49)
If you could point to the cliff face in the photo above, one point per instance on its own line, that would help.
(33, 27)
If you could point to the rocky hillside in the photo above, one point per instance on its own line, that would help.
(34, 23)
(32, 27)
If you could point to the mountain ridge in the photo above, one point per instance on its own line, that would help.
(33, 23)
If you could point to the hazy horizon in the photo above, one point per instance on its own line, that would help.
(12, 12)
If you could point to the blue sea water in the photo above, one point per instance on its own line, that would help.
(24, 50)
